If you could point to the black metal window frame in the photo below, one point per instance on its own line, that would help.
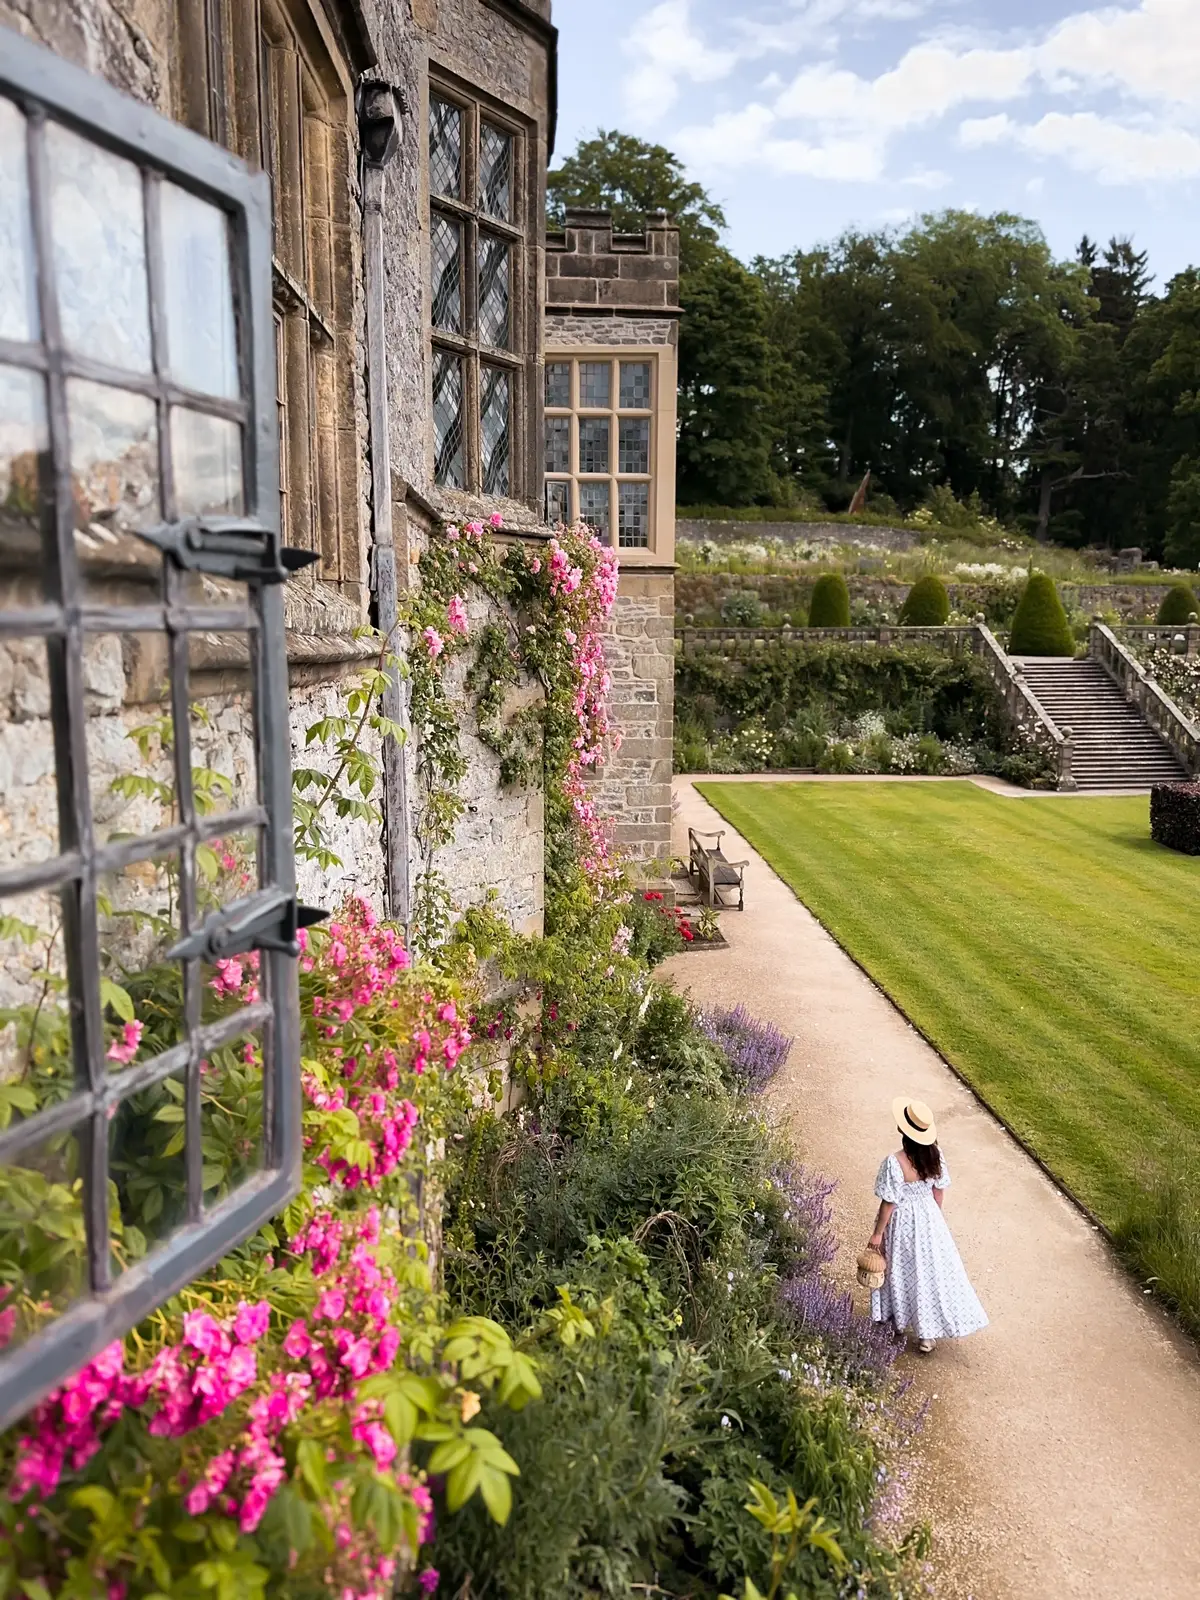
(246, 549)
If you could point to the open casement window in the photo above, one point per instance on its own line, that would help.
(138, 524)
(600, 445)
(478, 240)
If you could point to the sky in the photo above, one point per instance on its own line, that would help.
(803, 117)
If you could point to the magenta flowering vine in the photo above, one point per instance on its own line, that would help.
(298, 1385)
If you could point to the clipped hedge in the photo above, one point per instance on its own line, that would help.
(830, 604)
(1175, 816)
(1178, 605)
(927, 604)
(1040, 626)
(922, 690)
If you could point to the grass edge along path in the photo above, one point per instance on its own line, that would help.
(1042, 946)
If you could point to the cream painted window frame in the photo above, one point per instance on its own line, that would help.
(661, 413)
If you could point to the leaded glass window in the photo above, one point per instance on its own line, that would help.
(494, 428)
(448, 418)
(558, 501)
(593, 507)
(633, 515)
(445, 249)
(137, 437)
(494, 257)
(483, 362)
(495, 172)
(595, 383)
(558, 444)
(593, 444)
(558, 383)
(445, 147)
(600, 427)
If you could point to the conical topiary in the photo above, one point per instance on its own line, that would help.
(1040, 626)
(927, 605)
(830, 604)
(1178, 605)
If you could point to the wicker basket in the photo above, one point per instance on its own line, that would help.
(872, 1269)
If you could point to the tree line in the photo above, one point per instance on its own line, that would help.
(1060, 395)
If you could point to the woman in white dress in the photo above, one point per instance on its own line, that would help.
(926, 1290)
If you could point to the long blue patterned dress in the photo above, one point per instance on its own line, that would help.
(926, 1291)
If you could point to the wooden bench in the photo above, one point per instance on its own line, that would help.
(708, 866)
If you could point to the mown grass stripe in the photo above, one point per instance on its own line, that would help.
(1045, 946)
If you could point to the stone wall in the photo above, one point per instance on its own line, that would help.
(634, 785)
(592, 269)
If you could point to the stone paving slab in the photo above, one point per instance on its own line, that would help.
(1062, 1455)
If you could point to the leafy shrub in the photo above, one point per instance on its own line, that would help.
(631, 1227)
(927, 605)
(741, 609)
(830, 603)
(1040, 626)
(1179, 604)
(1175, 816)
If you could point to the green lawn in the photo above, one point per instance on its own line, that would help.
(1047, 946)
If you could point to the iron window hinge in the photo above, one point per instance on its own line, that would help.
(229, 547)
(269, 920)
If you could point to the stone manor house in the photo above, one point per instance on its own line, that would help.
(437, 354)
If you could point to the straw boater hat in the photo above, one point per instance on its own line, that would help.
(915, 1120)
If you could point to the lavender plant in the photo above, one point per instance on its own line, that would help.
(755, 1050)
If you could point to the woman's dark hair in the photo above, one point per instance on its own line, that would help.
(926, 1158)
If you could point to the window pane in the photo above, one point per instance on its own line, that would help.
(43, 1249)
(558, 444)
(447, 419)
(558, 501)
(635, 386)
(593, 507)
(558, 383)
(494, 257)
(495, 172)
(99, 251)
(445, 148)
(23, 437)
(593, 444)
(633, 501)
(114, 456)
(206, 453)
(18, 302)
(633, 445)
(493, 428)
(201, 338)
(446, 257)
(595, 383)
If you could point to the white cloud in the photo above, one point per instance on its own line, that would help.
(833, 122)
(1108, 150)
(665, 49)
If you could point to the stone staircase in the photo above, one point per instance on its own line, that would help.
(1113, 746)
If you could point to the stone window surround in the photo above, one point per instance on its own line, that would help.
(660, 550)
(522, 359)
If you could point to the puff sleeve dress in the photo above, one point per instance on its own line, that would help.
(926, 1290)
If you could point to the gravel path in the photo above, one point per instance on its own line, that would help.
(1062, 1456)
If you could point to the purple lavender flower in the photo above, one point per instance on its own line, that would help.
(867, 1348)
(755, 1050)
(808, 1213)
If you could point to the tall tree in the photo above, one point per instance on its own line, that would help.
(629, 177)
(725, 361)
